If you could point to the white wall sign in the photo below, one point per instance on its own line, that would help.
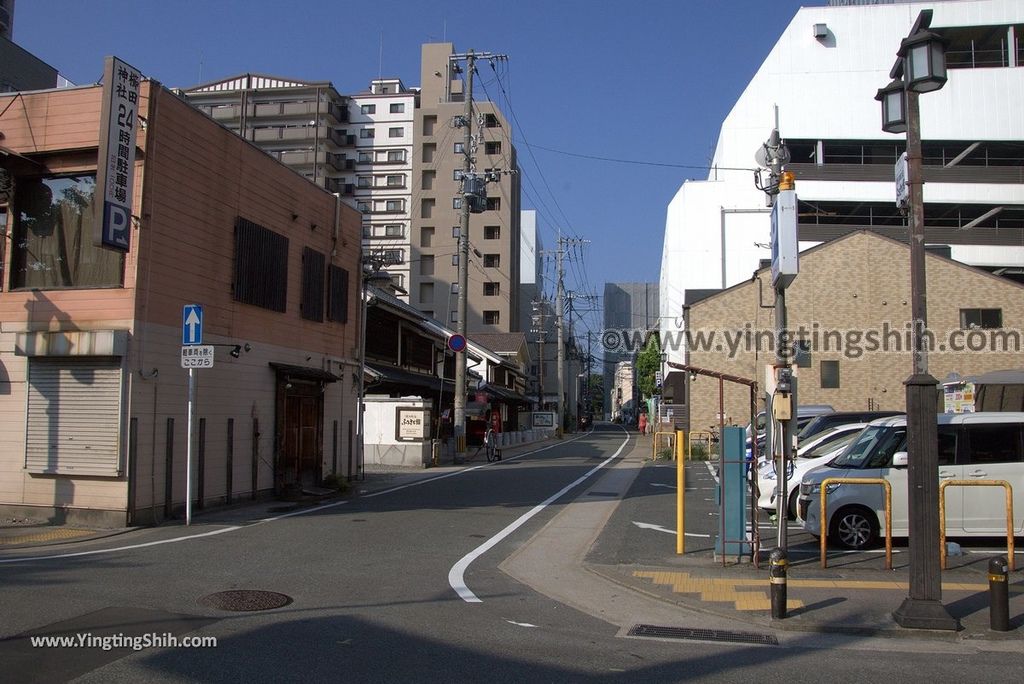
(411, 424)
(197, 356)
(115, 167)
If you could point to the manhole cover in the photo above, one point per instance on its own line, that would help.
(242, 600)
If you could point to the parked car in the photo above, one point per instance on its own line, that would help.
(971, 446)
(815, 451)
(830, 420)
(804, 414)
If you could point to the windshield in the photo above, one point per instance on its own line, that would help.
(827, 446)
(873, 448)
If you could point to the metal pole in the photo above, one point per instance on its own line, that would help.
(923, 608)
(559, 326)
(461, 327)
(188, 448)
(782, 358)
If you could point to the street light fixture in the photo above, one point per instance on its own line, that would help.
(919, 68)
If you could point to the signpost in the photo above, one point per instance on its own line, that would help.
(194, 355)
(115, 169)
(457, 343)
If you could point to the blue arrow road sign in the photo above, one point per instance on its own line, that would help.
(192, 324)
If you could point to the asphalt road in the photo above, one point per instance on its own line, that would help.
(399, 585)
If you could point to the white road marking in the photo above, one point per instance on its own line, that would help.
(456, 576)
(659, 528)
(519, 624)
(655, 484)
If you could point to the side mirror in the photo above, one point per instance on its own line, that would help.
(899, 459)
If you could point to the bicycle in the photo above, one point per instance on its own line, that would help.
(493, 452)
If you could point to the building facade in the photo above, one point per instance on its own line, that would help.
(850, 310)
(93, 394)
(494, 237)
(631, 310)
(822, 75)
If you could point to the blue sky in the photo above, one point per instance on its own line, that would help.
(649, 81)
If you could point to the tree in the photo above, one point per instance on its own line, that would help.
(648, 363)
(597, 393)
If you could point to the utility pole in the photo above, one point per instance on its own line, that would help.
(474, 200)
(559, 328)
(541, 332)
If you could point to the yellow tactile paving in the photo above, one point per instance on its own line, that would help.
(51, 535)
(724, 590)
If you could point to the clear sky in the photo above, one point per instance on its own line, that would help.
(648, 81)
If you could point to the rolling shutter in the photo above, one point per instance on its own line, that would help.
(74, 408)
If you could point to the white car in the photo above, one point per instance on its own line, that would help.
(817, 451)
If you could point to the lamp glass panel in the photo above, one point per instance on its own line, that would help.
(918, 62)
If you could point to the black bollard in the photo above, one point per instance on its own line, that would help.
(998, 595)
(777, 577)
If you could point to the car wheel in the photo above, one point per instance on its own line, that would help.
(794, 503)
(854, 528)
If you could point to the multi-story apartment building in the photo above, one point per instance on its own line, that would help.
(630, 311)
(493, 293)
(304, 124)
(382, 121)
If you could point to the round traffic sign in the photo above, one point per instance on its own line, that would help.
(457, 343)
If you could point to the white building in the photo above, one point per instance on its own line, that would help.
(382, 122)
(822, 75)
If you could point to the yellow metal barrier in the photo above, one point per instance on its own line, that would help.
(823, 519)
(680, 493)
(702, 436)
(976, 483)
(654, 446)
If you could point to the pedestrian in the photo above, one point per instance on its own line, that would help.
(643, 424)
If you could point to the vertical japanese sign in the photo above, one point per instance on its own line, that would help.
(115, 168)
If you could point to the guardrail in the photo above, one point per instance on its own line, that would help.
(975, 483)
(654, 446)
(823, 520)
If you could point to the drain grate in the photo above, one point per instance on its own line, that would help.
(246, 600)
(602, 493)
(702, 634)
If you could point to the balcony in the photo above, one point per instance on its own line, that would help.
(336, 185)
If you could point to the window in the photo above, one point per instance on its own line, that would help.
(428, 179)
(492, 232)
(366, 133)
(830, 375)
(492, 317)
(455, 288)
(261, 266)
(363, 207)
(455, 259)
(396, 132)
(457, 175)
(394, 256)
(426, 236)
(996, 443)
(368, 109)
(493, 204)
(52, 241)
(492, 260)
(456, 203)
(453, 317)
(428, 124)
(367, 231)
(429, 149)
(394, 230)
(396, 181)
(492, 289)
(490, 121)
(397, 107)
(426, 293)
(396, 155)
(456, 231)
(427, 208)
(394, 205)
(802, 353)
(981, 318)
(427, 265)
(363, 181)
(365, 158)
(311, 306)
(458, 148)
(492, 147)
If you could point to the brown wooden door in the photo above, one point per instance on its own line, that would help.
(301, 430)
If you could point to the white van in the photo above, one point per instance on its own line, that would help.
(972, 446)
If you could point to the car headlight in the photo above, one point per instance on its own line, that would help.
(768, 474)
(815, 488)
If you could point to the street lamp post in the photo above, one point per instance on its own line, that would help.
(920, 68)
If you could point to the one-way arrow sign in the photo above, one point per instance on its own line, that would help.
(192, 324)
